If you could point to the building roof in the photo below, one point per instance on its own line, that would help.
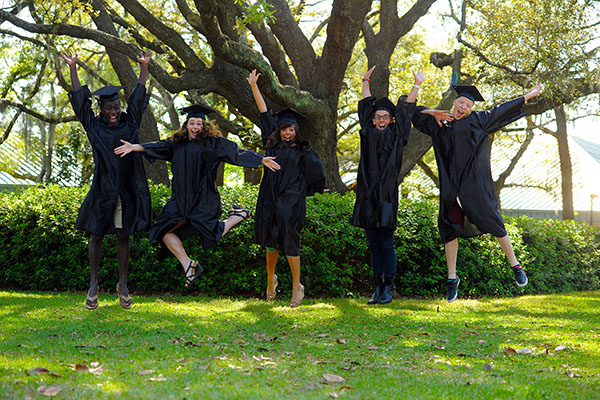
(535, 183)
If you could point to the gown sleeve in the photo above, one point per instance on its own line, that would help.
(503, 114)
(81, 101)
(136, 104)
(365, 109)
(267, 125)
(160, 150)
(314, 176)
(424, 122)
(403, 115)
(229, 152)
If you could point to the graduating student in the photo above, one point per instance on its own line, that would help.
(281, 205)
(118, 200)
(195, 152)
(385, 128)
(468, 205)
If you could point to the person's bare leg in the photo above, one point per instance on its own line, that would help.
(271, 263)
(508, 249)
(123, 256)
(451, 249)
(295, 268)
(173, 243)
(230, 223)
(94, 254)
(297, 288)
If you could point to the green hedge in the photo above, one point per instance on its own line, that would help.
(40, 250)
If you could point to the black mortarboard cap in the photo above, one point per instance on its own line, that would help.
(468, 91)
(289, 114)
(385, 104)
(196, 111)
(108, 93)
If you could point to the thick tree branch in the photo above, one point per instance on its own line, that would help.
(291, 37)
(429, 172)
(35, 114)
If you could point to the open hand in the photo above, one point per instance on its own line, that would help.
(253, 77)
(144, 57)
(537, 89)
(270, 163)
(419, 77)
(71, 60)
(125, 149)
(441, 116)
(369, 72)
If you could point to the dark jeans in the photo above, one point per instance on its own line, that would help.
(383, 254)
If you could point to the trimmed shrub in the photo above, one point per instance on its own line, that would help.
(40, 250)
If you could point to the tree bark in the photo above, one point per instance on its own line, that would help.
(566, 168)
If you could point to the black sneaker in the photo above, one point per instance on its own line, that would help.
(520, 276)
(452, 289)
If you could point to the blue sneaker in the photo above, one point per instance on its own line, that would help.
(520, 276)
(452, 289)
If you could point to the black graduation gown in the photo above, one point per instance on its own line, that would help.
(194, 194)
(376, 203)
(281, 204)
(113, 175)
(462, 153)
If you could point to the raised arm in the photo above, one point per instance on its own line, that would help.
(260, 102)
(537, 89)
(366, 87)
(127, 148)
(144, 59)
(72, 63)
(419, 79)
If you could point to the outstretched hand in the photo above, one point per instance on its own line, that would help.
(253, 77)
(419, 77)
(368, 74)
(537, 89)
(71, 60)
(270, 163)
(124, 149)
(441, 116)
(144, 57)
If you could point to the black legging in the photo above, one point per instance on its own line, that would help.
(95, 253)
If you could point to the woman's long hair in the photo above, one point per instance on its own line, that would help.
(274, 139)
(209, 129)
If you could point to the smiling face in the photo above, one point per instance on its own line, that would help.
(287, 134)
(382, 119)
(194, 127)
(111, 111)
(462, 107)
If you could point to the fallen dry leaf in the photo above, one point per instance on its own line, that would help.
(373, 347)
(158, 378)
(323, 335)
(524, 351)
(96, 371)
(487, 367)
(333, 395)
(49, 390)
(509, 350)
(94, 364)
(146, 372)
(332, 378)
(560, 348)
(341, 341)
(38, 370)
(203, 366)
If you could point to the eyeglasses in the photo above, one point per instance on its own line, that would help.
(381, 118)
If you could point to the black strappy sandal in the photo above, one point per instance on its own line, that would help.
(197, 271)
(238, 211)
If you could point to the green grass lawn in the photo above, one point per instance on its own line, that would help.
(176, 347)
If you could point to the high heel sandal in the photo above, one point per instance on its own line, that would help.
(297, 296)
(271, 294)
(197, 270)
(238, 211)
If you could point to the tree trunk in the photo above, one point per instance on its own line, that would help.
(566, 168)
